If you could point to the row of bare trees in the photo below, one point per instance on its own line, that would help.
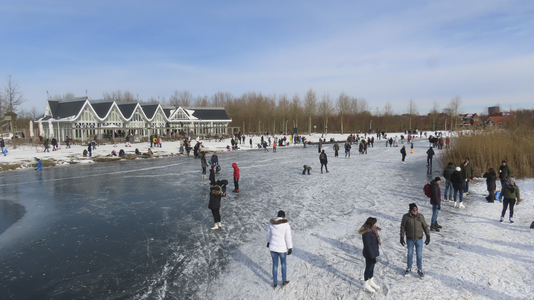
(255, 112)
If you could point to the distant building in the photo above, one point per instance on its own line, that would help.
(82, 118)
(470, 120)
(499, 119)
(494, 110)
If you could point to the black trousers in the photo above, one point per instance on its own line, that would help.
(236, 184)
(325, 167)
(216, 215)
(369, 268)
(505, 203)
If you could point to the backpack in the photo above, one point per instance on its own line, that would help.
(321, 157)
(428, 193)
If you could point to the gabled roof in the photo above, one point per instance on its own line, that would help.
(208, 113)
(149, 110)
(168, 111)
(65, 109)
(101, 108)
(127, 108)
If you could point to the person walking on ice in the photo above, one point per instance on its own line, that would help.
(371, 241)
(430, 153)
(324, 161)
(435, 201)
(413, 225)
(510, 194)
(280, 244)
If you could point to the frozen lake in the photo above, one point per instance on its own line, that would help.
(141, 230)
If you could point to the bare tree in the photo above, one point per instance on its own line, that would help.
(343, 107)
(202, 101)
(454, 111)
(283, 110)
(411, 112)
(310, 102)
(295, 109)
(13, 96)
(66, 96)
(181, 98)
(325, 107)
(434, 113)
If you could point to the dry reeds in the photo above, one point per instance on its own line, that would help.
(487, 149)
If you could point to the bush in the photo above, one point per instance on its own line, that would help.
(487, 149)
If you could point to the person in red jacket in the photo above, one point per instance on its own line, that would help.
(236, 178)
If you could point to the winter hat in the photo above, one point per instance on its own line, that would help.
(437, 179)
(503, 161)
(412, 206)
(281, 214)
(458, 169)
(450, 163)
(511, 179)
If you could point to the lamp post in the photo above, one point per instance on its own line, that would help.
(243, 127)
(293, 124)
(314, 129)
(286, 126)
(370, 123)
(259, 128)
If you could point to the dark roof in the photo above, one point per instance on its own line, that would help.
(167, 111)
(101, 108)
(149, 110)
(210, 113)
(127, 108)
(65, 109)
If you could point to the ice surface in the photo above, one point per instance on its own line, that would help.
(141, 230)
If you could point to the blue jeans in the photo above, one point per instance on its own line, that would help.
(435, 212)
(419, 252)
(347, 153)
(282, 256)
(448, 188)
(466, 189)
(461, 195)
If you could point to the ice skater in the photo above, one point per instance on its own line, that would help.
(204, 165)
(371, 241)
(280, 244)
(39, 165)
(215, 205)
(403, 152)
(324, 161)
(236, 178)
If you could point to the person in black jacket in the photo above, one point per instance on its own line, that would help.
(371, 241)
(347, 149)
(435, 200)
(215, 205)
(491, 177)
(324, 161)
(458, 184)
(430, 153)
(403, 152)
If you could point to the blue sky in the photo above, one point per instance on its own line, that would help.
(382, 51)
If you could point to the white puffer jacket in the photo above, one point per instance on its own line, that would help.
(279, 235)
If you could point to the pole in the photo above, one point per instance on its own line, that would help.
(259, 128)
(243, 127)
(286, 125)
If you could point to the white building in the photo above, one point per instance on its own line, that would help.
(82, 118)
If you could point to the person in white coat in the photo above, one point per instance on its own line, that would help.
(280, 244)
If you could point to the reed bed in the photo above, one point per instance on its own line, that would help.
(487, 149)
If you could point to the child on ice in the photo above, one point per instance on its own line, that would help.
(306, 168)
(39, 165)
